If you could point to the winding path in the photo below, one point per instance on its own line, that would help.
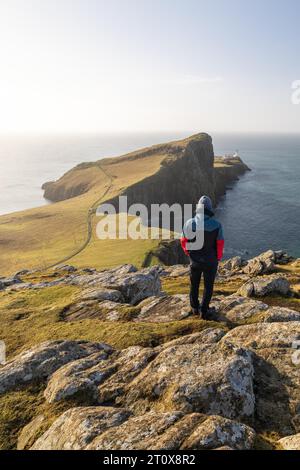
(91, 212)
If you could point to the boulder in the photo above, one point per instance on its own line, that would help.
(280, 314)
(204, 378)
(29, 433)
(134, 286)
(237, 308)
(173, 431)
(207, 336)
(101, 377)
(151, 430)
(92, 309)
(164, 308)
(290, 442)
(102, 294)
(262, 264)
(262, 286)
(43, 360)
(276, 361)
(176, 270)
(216, 432)
(282, 257)
(232, 265)
(77, 427)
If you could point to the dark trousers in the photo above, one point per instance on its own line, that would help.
(209, 271)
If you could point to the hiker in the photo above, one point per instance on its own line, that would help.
(204, 260)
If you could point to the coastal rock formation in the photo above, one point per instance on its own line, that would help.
(164, 308)
(276, 371)
(102, 377)
(41, 361)
(262, 286)
(77, 427)
(195, 377)
(208, 386)
(104, 428)
(185, 169)
(263, 264)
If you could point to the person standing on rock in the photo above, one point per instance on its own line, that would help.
(203, 260)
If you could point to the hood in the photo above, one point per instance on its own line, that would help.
(208, 207)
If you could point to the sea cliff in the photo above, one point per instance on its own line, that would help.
(186, 170)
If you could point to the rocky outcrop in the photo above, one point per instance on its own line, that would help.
(226, 175)
(43, 360)
(208, 379)
(103, 378)
(276, 371)
(107, 428)
(212, 389)
(263, 264)
(77, 427)
(164, 308)
(290, 442)
(262, 286)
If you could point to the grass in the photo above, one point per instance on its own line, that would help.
(21, 406)
(38, 237)
(31, 317)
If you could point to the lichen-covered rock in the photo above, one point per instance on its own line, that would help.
(264, 335)
(262, 286)
(207, 336)
(102, 294)
(276, 361)
(28, 434)
(134, 286)
(280, 314)
(99, 376)
(232, 265)
(262, 264)
(146, 432)
(216, 432)
(77, 427)
(193, 377)
(43, 360)
(173, 431)
(290, 442)
(164, 308)
(237, 308)
(176, 270)
(106, 310)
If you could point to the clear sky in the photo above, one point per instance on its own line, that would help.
(149, 65)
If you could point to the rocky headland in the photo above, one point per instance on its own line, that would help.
(184, 169)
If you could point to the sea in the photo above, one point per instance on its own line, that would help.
(261, 211)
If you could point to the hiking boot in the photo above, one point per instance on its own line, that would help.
(209, 314)
(195, 311)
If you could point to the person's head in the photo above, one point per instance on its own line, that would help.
(206, 202)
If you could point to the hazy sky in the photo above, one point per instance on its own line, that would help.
(139, 65)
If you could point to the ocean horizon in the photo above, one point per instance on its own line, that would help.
(260, 211)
